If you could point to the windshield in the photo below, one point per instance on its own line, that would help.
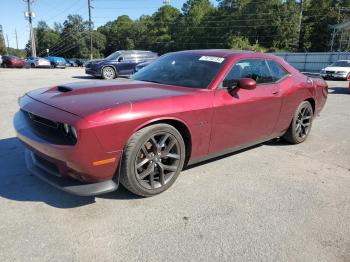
(341, 64)
(182, 69)
(113, 56)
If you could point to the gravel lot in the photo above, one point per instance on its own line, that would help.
(273, 202)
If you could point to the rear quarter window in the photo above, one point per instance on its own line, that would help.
(277, 71)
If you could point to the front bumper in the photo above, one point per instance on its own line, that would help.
(69, 167)
(333, 76)
(60, 65)
(93, 72)
(47, 173)
(43, 65)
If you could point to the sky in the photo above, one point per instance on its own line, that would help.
(12, 13)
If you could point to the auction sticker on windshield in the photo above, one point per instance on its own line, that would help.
(212, 59)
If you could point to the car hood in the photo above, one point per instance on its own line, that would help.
(337, 68)
(85, 98)
(96, 61)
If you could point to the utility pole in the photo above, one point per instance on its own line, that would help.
(334, 30)
(90, 27)
(300, 21)
(30, 16)
(8, 43)
(16, 38)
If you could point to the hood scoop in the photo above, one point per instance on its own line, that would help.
(64, 89)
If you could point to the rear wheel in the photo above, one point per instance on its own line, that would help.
(108, 73)
(152, 160)
(301, 124)
(32, 65)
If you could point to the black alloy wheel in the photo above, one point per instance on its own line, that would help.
(301, 124)
(153, 160)
(157, 160)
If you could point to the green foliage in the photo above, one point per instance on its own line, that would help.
(242, 43)
(21, 53)
(239, 24)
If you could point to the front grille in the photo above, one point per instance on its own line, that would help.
(49, 130)
(43, 121)
(329, 72)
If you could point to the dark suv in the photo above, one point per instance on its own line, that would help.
(120, 63)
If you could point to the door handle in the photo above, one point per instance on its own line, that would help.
(275, 92)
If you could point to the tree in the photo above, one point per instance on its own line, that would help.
(45, 37)
(2, 45)
(242, 43)
(119, 34)
(196, 25)
(163, 32)
(319, 16)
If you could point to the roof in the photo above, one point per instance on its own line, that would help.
(218, 52)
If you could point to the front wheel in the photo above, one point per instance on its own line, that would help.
(301, 124)
(152, 160)
(108, 73)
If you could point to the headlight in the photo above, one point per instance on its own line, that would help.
(74, 132)
(340, 72)
(70, 131)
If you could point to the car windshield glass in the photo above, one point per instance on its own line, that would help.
(113, 56)
(181, 69)
(341, 64)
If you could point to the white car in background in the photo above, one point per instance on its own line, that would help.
(35, 62)
(0, 60)
(337, 70)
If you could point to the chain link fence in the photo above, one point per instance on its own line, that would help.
(313, 62)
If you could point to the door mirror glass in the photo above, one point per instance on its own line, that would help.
(120, 59)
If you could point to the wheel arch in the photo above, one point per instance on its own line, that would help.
(312, 101)
(180, 126)
(112, 66)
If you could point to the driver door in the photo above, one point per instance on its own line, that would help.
(242, 117)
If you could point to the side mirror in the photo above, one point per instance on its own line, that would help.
(120, 59)
(247, 83)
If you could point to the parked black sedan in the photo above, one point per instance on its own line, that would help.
(120, 63)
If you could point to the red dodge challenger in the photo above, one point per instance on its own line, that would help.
(185, 107)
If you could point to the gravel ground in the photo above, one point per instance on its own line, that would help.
(272, 202)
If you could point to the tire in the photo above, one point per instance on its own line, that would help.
(32, 65)
(300, 127)
(52, 66)
(4, 65)
(108, 72)
(150, 166)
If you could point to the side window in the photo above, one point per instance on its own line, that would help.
(256, 69)
(277, 71)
